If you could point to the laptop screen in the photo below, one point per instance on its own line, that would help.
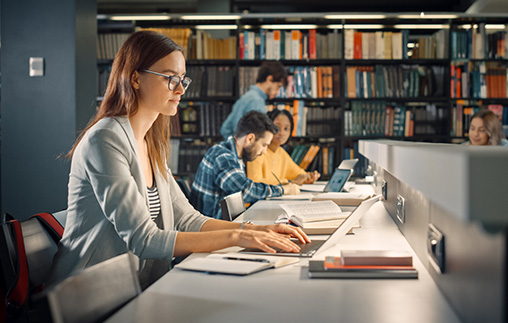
(338, 180)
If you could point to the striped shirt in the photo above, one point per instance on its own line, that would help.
(154, 201)
(221, 173)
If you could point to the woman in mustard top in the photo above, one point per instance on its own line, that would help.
(276, 164)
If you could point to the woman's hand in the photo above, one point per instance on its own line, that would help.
(291, 231)
(312, 177)
(273, 235)
(307, 178)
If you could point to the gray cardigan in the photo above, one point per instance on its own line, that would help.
(107, 212)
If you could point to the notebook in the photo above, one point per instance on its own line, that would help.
(336, 183)
(315, 246)
(348, 163)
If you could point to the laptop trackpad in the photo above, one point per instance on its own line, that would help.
(307, 249)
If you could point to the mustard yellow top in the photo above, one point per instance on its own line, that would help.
(260, 170)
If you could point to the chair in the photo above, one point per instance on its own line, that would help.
(184, 186)
(96, 292)
(232, 206)
(26, 253)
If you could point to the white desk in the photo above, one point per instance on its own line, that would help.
(287, 295)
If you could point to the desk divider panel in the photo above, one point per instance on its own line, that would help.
(474, 280)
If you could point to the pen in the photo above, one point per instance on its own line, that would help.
(277, 178)
(247, 259)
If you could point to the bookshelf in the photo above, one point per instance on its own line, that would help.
(394, 76)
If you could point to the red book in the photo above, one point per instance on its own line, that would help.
(357, 53)
(335, 264)
(241, 44)
(312, 44)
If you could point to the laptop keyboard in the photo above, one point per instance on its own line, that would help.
(306, 248)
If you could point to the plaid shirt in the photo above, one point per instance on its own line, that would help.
(221, 173)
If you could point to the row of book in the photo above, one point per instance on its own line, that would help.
(393, 45)
(392, 81)
(476, 43)
(464, 110)
(108, 44)
(289, 44)
(311, 120)
(433, 46)
(312, 82)
(320, 157)
(203, 46)
(384, 119)
(207, 81)
(478, 80)
(353, 152)
(302, 81)
(203, 118)
(211, 81)
(186, 155)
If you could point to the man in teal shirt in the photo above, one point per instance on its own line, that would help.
(271, 76)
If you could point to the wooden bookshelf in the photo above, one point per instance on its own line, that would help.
(413, 58)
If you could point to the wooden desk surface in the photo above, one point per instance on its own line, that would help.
(288, 295)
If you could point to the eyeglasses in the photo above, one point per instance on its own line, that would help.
(174, 80)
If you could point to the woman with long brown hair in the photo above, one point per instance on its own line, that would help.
(486, 130)
(122, 195)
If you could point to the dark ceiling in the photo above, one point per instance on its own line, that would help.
(350, 5)
(287, 6)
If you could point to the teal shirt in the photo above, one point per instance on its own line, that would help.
(254, 99)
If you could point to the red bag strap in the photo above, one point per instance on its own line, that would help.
(16, 297)
(49, 221)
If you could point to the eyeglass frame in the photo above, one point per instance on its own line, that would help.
(169, 77)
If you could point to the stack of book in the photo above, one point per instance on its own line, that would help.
(365, 264)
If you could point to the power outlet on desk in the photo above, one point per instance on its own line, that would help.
(384, 190)
(401, 209)
(436, 248)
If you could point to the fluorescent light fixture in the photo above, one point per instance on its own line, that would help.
(140, 17)
(335, 26)
(289, 26)
(492, 26)
(355, 16)
(210, 17)
(349, 26)
(423, 15)
(422, 26)
(216, 27)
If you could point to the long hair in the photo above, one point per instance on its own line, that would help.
(492, 125)
(140, 51)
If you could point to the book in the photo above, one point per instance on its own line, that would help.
(308, 212)
(317, 270)
(234, 263)
(374, 258)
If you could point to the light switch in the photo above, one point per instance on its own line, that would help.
(36, 67)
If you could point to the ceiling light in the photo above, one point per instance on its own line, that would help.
(140, 17)
(216, 27)
(355, 16)
(210, 17)
(492, 26)
(423, 15)
(289, 26)
(421, 26)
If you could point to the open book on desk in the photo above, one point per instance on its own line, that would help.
(235, 263)
(314, 217)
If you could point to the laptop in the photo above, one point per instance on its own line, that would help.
(336, 183)
(310, 249)
(348, 163)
